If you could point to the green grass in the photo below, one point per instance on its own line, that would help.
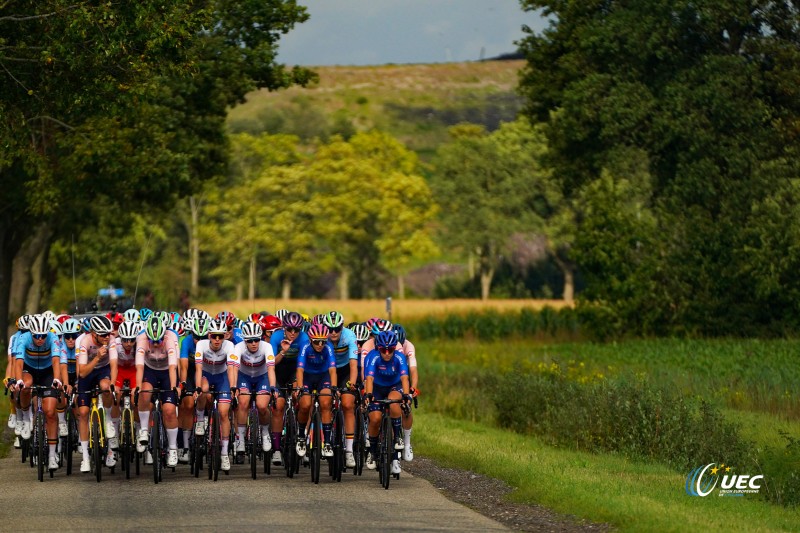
(633, 496)
(747, 375)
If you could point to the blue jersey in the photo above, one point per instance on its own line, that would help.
(315, 362)
(13, 341)
(188, 345)
(69, 358)
(290, 357)
(386, 373)
(37, 357)
(237, 337)
(346, 349)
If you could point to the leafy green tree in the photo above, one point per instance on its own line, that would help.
(702, 92)
(489, 186)
(121, 102)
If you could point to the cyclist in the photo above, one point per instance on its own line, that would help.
(37, 355)
(126, 368)
(15, 421)
(407, 348)
(97, 366)
(269, 325)
(131, 315)
(234, 333)
(71, 329)
(345, 349)
(286, 344)
(214, 362)
(386, 374)
(255, 362)
(197, 330)
(316, 370)
(157, 367)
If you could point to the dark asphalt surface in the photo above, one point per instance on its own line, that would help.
(234, 503)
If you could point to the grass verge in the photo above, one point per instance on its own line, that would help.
(633, 496)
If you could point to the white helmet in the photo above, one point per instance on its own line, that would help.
(39, 325)
(100, 325)
(129, 330)
(217, 326)
(131, 315)
(251, 330)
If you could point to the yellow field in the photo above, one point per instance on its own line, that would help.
(360, 310)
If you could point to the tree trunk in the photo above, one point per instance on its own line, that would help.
(194, 246)
(401, 287)
(6, 266)
(252, 292)
(239, 290)
(471, 265)
(27, 272)
(344, 284)
(286, 289)
(568, 270)
(486, 282)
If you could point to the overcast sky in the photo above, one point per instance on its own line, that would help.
(375, 32)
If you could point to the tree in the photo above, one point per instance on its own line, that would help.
(121, 101)
(702, 93)
(488, 185)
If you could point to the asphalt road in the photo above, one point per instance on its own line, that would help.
(234, 503)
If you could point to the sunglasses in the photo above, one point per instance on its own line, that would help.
(71, 336)
(337, 330)
(252, 341)
(39, 336)
(318, 342)
(216, 336)
(385, 350)
(102, 335)
(129, 340)
(292, 330)
(159, 341)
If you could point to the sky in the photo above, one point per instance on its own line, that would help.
(376, 32)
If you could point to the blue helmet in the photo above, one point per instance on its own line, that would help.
(400, 331)
(386, 339)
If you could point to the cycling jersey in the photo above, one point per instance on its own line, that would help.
(236, 336)
(290, 357)
(69, 357)
(12, 340)
(88, 350)
(254, 363)
(346, 349)
(407, 349)
(386, 373)
(187, 349)
(159, 356)
(37, 357)
(314, 362)
(215, 362)
(125, 359)
(369, 346)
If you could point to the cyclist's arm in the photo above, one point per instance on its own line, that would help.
(412, 371)
(173, 376)
(86, 366)
(368, 385)
(404, 384)
(271, 375)
(184, 368)
(233, 369)
(353, 371)
(18, 368)
(114, 371)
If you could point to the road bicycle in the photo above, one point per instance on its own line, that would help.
(254, 439)
(97, 440)
(314, 435)
(68, 445)
(338, 438)
(158, 435)
(127, 440)
(291, 462)
(386, 442)
(39, 446)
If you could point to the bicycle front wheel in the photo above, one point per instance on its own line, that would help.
(316, 446)
(338, 441)
(155, 442)
(385, 445)
(94, 442)
(216, 445)
(288, 442)
(254, 442)
(127, 441)
(71, 440)
(359, 439)
(41, 444)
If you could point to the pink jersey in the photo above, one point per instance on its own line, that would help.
(159, 356)
(125, 360)
(408, 350)
(89, 351)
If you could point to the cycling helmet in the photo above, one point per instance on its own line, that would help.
(128, 331)
(191, 313)
(116, 318)
(55, 327)
(237, 323)
(333, 319)
(24, 322)
(254, 317)
(351, 324)
(163, 316)
(217, 326)
(293, 320)
(100, 325)
(281, 314)
(86, 325)
(386, 339)
(49, 315)
(145, 313)
(203, 315)
(270, 323)
(318, 331)
(62, 318)
(263, 313)
(71, 325)
(131, 315)
(251, 330)
(371, 321)
(227, 317)
(317, 319)
(400, 331)
(199, 327)
(155, 328)
(381, 325)
(361, 332)
(174, 317)
(39, 324)
(305, 317)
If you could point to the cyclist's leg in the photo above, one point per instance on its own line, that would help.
(168, 401)
(241, 411)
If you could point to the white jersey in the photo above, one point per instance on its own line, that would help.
(159, 356)
(126, 360)
(254, 364)
(214, 362)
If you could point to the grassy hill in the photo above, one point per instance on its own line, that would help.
(415, 103)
